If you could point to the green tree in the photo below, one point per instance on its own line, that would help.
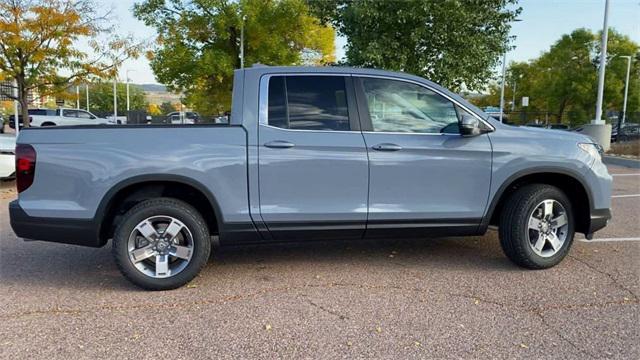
(452, 42)
(101, 97)
(167, 107)
(198, 44)
(37, 46)
(563, 80)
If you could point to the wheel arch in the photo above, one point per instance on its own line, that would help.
(128, 192)
(570, 182)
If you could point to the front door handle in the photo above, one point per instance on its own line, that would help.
(279, 144)
(387, 147)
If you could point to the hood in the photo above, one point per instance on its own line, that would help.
(552, 133)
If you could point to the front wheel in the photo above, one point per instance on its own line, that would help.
(161, 244)
(536, 226)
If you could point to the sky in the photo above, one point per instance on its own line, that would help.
(542, 23)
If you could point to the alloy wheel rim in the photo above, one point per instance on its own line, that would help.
(548, 228)
(160, 246)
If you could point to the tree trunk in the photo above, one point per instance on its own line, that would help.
(234, 45)
(23, 95)
(563, 105)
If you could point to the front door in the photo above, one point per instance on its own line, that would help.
(313, 166)
(425, 178)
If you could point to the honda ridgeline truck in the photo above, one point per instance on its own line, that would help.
(309, 154)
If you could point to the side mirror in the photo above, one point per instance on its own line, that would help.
(470, 126)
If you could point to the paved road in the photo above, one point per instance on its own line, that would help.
(444, 298)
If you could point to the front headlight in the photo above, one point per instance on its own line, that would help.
(592, 149)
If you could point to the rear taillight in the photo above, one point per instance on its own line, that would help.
(25, 166)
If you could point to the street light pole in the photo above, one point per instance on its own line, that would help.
(115, 100)
(504, 70)
(77, 96)
(128, 108)
(87, 88)
(504, 67)
(603, 64)
(16, 118)
(244, 18)
(513, 98)
(626, 88)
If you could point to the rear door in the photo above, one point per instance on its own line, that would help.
(425, 178)
(313, 167)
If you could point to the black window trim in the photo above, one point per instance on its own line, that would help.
(363, 109)
(352, 109)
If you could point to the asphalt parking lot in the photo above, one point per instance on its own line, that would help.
(444, 298)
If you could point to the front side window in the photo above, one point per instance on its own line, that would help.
(70, 113)
(308, 103)
(398, 106)
(84, 115)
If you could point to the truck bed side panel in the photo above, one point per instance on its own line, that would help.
(76, 167)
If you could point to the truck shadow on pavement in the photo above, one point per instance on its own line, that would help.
(35, 263)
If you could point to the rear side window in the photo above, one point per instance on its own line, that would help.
(308, 103)
(42, 112)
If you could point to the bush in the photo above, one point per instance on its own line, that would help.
(631, 148)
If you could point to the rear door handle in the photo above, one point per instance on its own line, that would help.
(387, 147)
(279, 144)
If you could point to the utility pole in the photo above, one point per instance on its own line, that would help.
(603, 64)
(77, 96)
(87, 88)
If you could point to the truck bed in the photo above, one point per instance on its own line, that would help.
(78, 165)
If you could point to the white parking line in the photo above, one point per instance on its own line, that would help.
(637, 174)
(625, 196)
(611, 239)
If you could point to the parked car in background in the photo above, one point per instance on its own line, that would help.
(309, 154)
(59, 117)
(628, 131)
(7, 158)
(186, 117)
(558, 126)
(1, 124)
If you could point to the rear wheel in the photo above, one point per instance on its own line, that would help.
(161, 244)
(537, 226)
(48, 123)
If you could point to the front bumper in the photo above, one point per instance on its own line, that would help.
(61, 230)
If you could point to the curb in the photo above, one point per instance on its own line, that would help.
(620, 161)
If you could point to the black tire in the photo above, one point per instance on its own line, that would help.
(48, 123)
(514, 226)
(179, 210)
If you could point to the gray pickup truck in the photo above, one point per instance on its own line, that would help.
(309, 154)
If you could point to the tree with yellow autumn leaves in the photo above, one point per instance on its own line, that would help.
(39, 46)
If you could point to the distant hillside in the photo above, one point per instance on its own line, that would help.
(153, 87)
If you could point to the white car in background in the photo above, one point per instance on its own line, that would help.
(7, 157)
(61, 116)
